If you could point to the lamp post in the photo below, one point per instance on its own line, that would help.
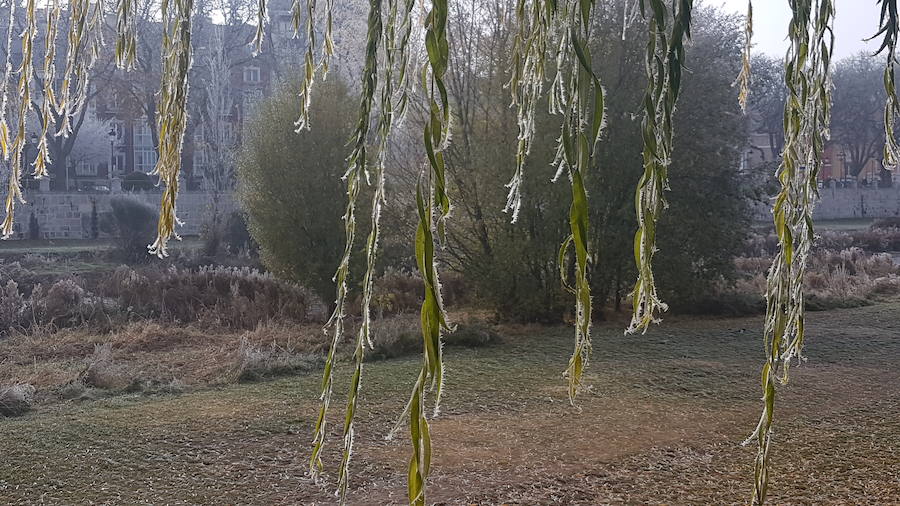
(112, 154)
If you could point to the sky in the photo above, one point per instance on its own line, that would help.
(854, 21)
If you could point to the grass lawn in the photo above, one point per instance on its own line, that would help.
(66, 257)
(841, 225)
(662, 423)
(845, 225)
(43, 246)
(73, 246)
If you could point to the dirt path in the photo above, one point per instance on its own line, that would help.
(662, 425)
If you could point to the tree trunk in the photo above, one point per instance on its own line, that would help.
(59, 164)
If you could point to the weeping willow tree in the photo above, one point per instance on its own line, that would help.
(552, 52)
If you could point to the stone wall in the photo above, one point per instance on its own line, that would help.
(851, 202)
(68, 215)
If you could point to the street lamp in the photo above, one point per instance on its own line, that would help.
(112, 154)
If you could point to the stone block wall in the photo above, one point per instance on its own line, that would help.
(68, 215)
(850, 202)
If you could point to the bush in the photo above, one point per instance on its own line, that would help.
(63, 301)
(95, 220)
(21, 274)
(827, 240)
(230, 296)
(16, 400)
(834, 279)
(211, 237)
(514, 267)
(725, 303)
(290, 185)
(12, 306)
(102, 372)
(522, 288)
(401, 336)
(259, 362)
(472, 335)
(135, 224)
(34, 228)
(395, 337)
(399, 291)
(874, 239)
(137, 181)
(887, 286)
(237, 236)
(892, 222)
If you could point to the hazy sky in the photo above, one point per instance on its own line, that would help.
(854, 21)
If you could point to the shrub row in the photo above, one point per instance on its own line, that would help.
(878, 238)
(834, 278)
(232, 297)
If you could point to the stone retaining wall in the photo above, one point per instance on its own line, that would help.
(68, 215)
(850, 202)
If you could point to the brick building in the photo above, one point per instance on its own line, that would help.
(117, 135)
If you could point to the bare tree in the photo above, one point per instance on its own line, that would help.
(856, 117)
(767, 104)
(67, 117)
(216, 141)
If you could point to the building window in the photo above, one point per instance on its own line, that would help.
(201, 155)
(144, 150)
(119, 128)
(250, 99)
(251, 74)
(85, 168)
(119, 163)
(284, 25)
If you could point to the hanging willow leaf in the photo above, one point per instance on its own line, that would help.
(743, 79)
(262, 21)
(889, 29)
(385, 125)
(526, 84)
(403, 61)
(806, 120)
(433, 205)
(577, 95)
(172, 114)
(4, 86)
(26, 74)
(126, 41)
(309, 67)
(437, 128)
(328, 38)
(582, 124)
(356, 169)
(434, 321)
(664, 60)
(96, 29)
(85, 54)
(49, 99)
(78, 66)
